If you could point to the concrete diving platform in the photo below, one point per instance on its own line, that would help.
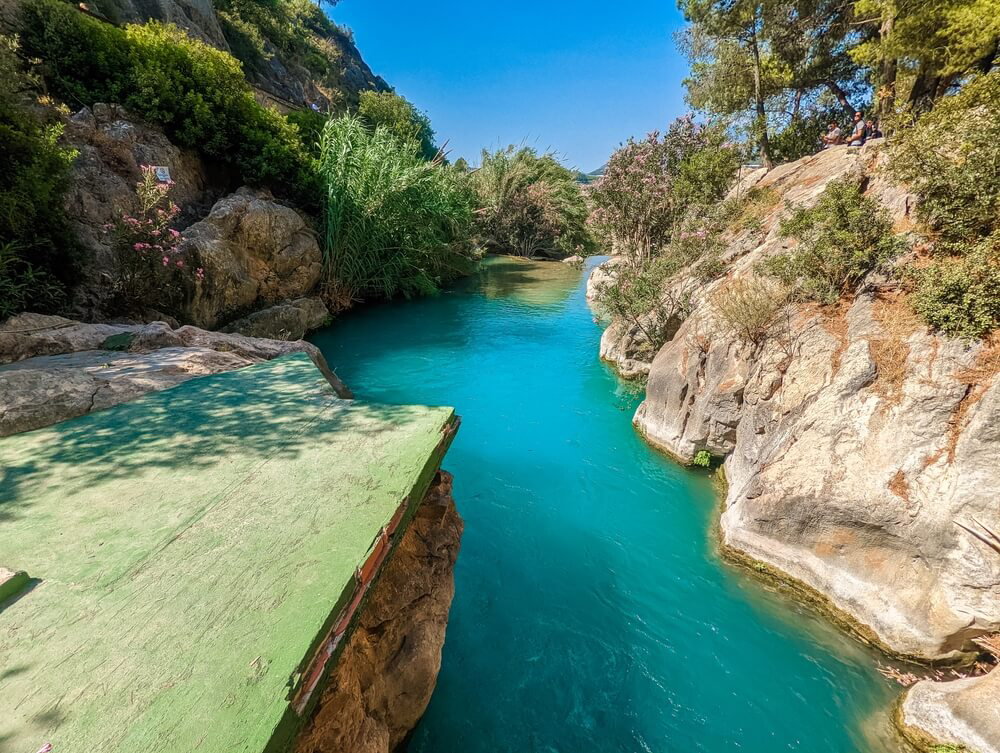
(181, 570)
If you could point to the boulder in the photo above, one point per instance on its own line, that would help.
(54, 368)
(290, 320)
(255, 253)
(386, 674)
(961, 713)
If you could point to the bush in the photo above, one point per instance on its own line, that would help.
(39, 256)
(150, 269)
(639, 296)
(392, 221)
(648, 186)
(196, 93)
(750, 308)
(400, 118)
(702, 458)
(842, 238)
(949, 158)
(961, 297)
(530, 205)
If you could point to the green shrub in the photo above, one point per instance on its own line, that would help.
(39, 256)
(196, 93)
(703, 459)
(638, 295)
(530, 205)
(393, 222)
(400, 118)
(842, 238)
(949, 158)
(961, 296)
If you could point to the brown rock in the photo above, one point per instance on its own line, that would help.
(386, 674)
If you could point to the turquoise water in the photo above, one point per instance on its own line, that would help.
(591, 611)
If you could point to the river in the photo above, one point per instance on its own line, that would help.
(592, 611)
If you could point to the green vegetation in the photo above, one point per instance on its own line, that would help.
(703, 459)
(530, 205)
(393, 222)
(38, 254)
(400, 118)
(638, 294)
(961, 296)
(841, 239)
(196, 93)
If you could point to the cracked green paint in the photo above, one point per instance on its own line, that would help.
(187, 551)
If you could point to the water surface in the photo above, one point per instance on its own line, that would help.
(592, 612)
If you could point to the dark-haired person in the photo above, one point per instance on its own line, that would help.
(858, 132)
(832, 137)
(872, 130)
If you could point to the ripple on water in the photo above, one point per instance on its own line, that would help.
(591, 610)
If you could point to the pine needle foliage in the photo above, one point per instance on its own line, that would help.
(392, 222)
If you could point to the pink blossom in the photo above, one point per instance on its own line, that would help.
(199, 273)
(155, 233)
(174, 233)
(138, 246)
(180, 262)
(166, 261)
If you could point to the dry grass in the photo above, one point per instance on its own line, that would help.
(977, 379)
(891, 351)
(750, 307)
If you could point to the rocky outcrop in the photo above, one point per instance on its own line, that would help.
(54, 368)
(111, 146)
(853, 439)
(290, 320)
(959, 713)
(255, 253)
(384, 678)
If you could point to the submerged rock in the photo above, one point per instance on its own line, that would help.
(386, 674)
(54, 368)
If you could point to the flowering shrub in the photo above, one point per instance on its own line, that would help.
(649, 185)
(151, 271)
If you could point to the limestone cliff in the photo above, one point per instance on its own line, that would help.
(854, 439)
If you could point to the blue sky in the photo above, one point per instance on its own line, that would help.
(577, 77)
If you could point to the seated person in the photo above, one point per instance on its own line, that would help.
(857, 137)
(832, 137)
(872, 130)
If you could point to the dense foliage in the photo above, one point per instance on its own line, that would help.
(400, 118)
(649, 185)
(393, 222)
(195, 92)
(529, 205)
(842, 238)
(38, 254)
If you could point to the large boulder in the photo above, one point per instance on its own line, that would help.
(961, 713)
(386, 674)
(255, 253)
(54, 368)
(854, 440)
(290, 320)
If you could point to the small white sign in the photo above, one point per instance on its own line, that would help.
(162, 173)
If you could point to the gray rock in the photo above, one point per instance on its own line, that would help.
(854, 441)
(255, 252)
(290, 320)
(55, 368)
(961, 712)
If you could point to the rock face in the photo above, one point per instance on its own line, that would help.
(854, 440)
(962, 712)
(112, 146)
(55, 368)
(385, 676)
(255, 253)
(285, 321)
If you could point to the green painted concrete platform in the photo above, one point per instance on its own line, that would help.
(188, 552)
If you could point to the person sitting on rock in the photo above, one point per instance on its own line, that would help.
(857, 137)
(872, 130)
(832, 137)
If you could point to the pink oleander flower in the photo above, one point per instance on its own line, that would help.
(180, 262)
(155, 233)
(166, 261)
(138, 246)
(174, 233)
(199, 273)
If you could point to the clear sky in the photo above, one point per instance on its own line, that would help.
(577, 77)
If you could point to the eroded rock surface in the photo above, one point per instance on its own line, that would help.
(52, 368)
(386, 674)
(960, 713)
(290, 320)
(854, 439)
(255, 253)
